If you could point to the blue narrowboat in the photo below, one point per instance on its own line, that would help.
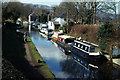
(85, 49)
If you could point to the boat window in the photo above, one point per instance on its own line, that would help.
(50, 30)
(63, 40)
(82, 46)
(86, 49)
(75, 44)
(78, 45)
(92, 49)
(51, 24)
(69, 40)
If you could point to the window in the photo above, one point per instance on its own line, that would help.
(78, 45)
(69, 40)
(50, 30)
(51, 23)
(82, 46)
(63, 40)
(92, 49)
(86, 49)
(75, 44)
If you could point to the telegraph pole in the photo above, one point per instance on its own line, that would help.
(48, 17)
(67, 21)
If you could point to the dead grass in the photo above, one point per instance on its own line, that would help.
(89, 33)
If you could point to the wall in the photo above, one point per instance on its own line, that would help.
(51, 26)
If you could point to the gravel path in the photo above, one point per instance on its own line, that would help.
(28, 55)
(35, 74)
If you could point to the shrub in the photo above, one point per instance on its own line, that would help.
(103, 44)
(105, 31)
(60, 28)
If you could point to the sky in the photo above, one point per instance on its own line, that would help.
(43, 2)
(54, 2)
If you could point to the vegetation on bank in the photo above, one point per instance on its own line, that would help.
(14, 53)
(104, 35)
(42, 66)
(9, 72)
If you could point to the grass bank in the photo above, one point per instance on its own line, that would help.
(41, 64)
(14, 51)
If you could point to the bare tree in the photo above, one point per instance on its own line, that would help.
(110, 8)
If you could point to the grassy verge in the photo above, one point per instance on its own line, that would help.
(13, 50)
(43, 68)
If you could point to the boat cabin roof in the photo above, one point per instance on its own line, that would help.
(86, 43)
(65, 36)
(48, 29)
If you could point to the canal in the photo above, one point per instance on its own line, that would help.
(65, 67)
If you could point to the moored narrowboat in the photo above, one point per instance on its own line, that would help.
(46, 31)
(85, 49)
(65, 41)
(55, 36)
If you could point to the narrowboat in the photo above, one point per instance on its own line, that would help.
(85, 49)
(63, 50)
(65, 42)
(43, 30)
(46, 31)
(55, 36)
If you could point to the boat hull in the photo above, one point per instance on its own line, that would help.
(64, 46)
(80, 53)
(46, 36)
(54, 39)
(85, 62)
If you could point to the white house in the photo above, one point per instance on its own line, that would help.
(56, 23)
(32, 18)
(25, 24)
(61, 20)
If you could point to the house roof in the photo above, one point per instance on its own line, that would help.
(33, 14)
(63, 15)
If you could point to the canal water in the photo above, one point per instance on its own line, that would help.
(65, 67)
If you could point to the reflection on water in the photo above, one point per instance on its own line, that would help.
(64, 66)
